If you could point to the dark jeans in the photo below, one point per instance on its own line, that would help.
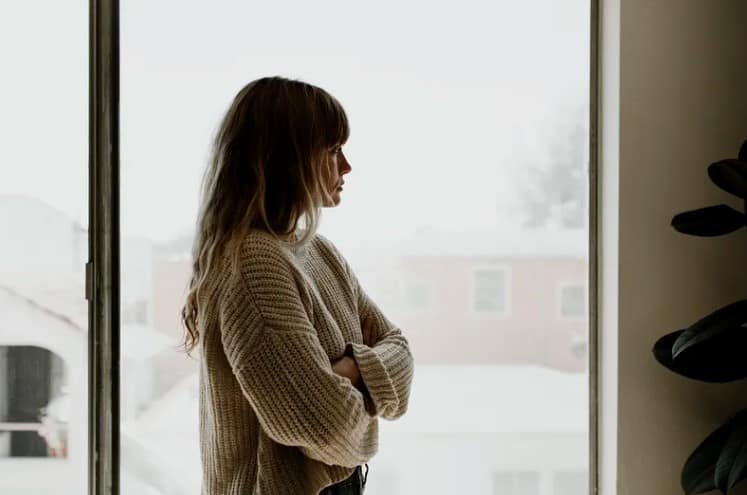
(353, 485)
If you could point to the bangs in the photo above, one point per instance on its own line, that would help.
(335, 125)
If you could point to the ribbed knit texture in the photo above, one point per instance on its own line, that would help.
(274, 418)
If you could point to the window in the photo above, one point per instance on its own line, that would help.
(491, 291)
(33, 403)
(570, 482)
(572, 301)
(491, 165)
(516, 483)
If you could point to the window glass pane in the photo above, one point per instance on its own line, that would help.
(465, 210)
(44, 248)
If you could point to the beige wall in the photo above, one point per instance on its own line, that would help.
(682, 105)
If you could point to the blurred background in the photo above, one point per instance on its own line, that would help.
(465, 218)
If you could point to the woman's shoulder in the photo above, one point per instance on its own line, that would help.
(330, 250)
(326, 246)
(262, 264)
(325, 243)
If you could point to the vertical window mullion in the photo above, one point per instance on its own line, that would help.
(102, 270)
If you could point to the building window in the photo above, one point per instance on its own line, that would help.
(573, 482)
(516, 483)
(572, 301)
(33, 415)
(491, 291)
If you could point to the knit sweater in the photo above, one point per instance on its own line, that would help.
(275, 418)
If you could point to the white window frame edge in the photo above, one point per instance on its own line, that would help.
(603, 244)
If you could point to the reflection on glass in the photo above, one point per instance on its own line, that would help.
(465, 218)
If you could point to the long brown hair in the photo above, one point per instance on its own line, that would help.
(267, 170)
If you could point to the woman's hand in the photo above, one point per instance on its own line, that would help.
(368, 328)
(347, 367)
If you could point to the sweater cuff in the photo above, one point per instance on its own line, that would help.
(377, 382)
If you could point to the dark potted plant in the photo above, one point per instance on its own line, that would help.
(712, 348)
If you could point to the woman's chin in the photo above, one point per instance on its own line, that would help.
(335, 200)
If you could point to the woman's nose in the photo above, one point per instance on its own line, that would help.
(345, 167)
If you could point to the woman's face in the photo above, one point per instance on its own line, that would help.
(338, 166)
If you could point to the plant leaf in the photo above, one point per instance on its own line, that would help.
(709, 222)
(718, 359)
(732, 462)
(721, 320)
(698, 473)
(739, 469)
(730, 175)
(663, 348)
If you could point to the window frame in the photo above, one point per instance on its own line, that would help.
(103, 266)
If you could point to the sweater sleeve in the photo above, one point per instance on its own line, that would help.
(283, 370)
(387, 368)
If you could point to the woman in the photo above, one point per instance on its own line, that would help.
(297, 362)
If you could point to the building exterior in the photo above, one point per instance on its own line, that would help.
(44, 347)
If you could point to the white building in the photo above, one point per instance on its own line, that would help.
(44, 347)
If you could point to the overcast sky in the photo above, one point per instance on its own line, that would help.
(448, 102)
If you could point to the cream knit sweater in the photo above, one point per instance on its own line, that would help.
(274, 418)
